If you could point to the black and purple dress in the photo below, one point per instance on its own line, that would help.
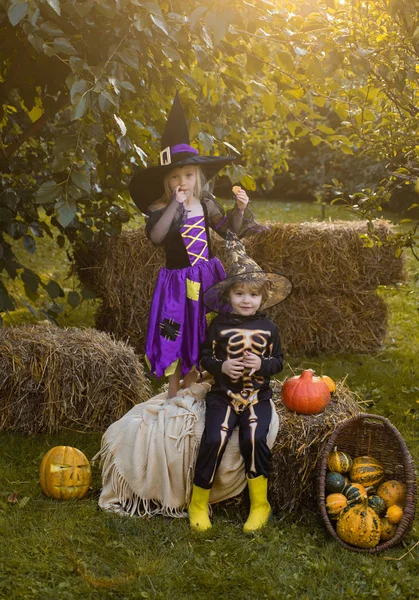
(178, 317)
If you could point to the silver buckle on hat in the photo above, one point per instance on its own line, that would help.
(165, 156)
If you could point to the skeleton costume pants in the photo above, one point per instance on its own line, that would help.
(220, 420)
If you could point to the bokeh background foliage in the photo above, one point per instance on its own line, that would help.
(329, 88)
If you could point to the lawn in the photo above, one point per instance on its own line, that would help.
(57, 550)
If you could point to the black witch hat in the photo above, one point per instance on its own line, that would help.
(147, 185)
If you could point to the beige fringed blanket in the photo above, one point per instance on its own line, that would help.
(148, 456)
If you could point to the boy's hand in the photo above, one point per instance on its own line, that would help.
(252, 361)
(233, 368)
(242, 198)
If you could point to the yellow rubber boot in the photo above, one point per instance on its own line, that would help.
(260, 509)
(198, 509)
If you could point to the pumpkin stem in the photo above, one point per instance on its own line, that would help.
(307, 374)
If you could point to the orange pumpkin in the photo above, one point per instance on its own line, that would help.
(65, 473)
(304, 394)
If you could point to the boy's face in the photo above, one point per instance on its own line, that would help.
(245, 299)
(183, 177)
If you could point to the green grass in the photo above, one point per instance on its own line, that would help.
(58, 550)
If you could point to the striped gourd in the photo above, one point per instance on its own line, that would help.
(355, 493)
(366, 470)
(359, 526)
(335, 504)
(377, 504)
(339, 462)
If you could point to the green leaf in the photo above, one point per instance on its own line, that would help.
(127, 86)
(78, 89)
(285, 60)
(160, 22)
(73, 299)
(325, 129)
(254, 64)
(81, 108)
(88, 294)
(81, 180)
(206, 140)
(29, 243)
(6, 301)
(16, 13)
(315, 140)
(54, 290)
(30, 279)
(269, 103)
(63, 45)
(121, 124)
(66, 212)
(196, 15)
(171, 53)
(292, 126)
(248, 182)
(130, 57)
(231, 147)
(55, 5)
(48, 192)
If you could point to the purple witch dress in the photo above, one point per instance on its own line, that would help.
(177, 323)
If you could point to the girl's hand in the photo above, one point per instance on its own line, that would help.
(252, 361)
(233, 368)
(242, 200)
(179, 195)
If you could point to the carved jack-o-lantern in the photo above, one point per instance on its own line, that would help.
(65, 473)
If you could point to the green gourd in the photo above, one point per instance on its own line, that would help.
(335, 483)
(377, 504)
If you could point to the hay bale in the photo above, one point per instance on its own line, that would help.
(54, 378)
(298, 446)
(330, 257)
(317, 323)
(332, 309)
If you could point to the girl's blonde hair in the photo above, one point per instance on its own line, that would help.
(164, 200)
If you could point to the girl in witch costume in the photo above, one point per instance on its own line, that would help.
(178, 216)
(242, 351)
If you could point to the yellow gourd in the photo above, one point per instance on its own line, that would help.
(335, 504)
(339, 462)
(392, 492)
(394, 514)
(387, 529)
(366, 470)
(359, 526)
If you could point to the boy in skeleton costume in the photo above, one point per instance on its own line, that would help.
(242, 351)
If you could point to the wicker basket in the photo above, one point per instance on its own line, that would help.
(372, 435)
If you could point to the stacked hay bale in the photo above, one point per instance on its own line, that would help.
(298, 447)
(334, 306)
(53, 378)
(336, 269)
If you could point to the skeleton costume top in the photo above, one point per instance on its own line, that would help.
(228, 337)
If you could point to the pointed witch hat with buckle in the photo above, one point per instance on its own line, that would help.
(243, 269)
(147, 185)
